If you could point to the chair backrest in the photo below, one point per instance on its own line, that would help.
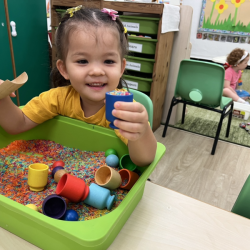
(242, 203)
(200, 82)
(146, 102)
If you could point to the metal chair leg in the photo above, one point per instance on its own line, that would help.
(168, 117)
(183, 113)
(217, 133)
(229, 120)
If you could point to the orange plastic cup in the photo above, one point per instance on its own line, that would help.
(72, 188)
(129, 178)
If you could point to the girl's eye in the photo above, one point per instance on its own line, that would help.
(82, 61)
(109, 61)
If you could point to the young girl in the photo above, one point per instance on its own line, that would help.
(91, 45)
(237, 61)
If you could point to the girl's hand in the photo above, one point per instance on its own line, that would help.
(134, 119)
(12, 94)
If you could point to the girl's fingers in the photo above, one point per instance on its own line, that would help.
(130, 116)
(130, 106)
(13, 94)
(129, 136)
(130, 111)
(128, 126)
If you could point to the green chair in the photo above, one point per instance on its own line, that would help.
(146, 102)
(201, 84)
(242, 204)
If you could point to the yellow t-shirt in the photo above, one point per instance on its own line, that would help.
(63, 101)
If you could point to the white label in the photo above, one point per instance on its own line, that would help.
(131, 26)
(133, 66)
(135, 47)
(131, 84)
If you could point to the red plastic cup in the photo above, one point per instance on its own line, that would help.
(72, 188)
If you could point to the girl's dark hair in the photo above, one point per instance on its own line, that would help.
(234, 56)
(82, 18)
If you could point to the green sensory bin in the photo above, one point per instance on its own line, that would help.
(49, 233)
(139, 24)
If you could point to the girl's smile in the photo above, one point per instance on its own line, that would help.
(96, 84)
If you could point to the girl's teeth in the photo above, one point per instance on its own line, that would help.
(96, 84)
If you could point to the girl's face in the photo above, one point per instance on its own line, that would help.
(93, 64)
(243, 64)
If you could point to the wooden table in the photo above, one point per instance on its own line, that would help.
(165, 219)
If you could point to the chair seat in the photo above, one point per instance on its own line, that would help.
(225, 101)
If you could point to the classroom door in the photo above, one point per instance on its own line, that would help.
(30, 46)
(6, 71)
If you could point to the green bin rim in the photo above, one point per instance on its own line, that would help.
(78, 232)
(140, 58)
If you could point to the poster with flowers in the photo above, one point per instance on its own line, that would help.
(225, 18)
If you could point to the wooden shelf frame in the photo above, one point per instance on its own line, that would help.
(163, 47)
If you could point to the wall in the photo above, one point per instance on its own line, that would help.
(205, 49)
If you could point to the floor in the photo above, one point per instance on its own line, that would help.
(189, 168)
(246, 80)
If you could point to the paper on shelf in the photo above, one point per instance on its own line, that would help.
(170, 18)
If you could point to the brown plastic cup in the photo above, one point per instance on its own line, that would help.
(129, 178)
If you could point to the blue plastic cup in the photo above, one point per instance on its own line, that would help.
(111, 98)
(99, 197)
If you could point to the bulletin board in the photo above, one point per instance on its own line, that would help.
(225, 20)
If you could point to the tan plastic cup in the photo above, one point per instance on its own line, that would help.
(37, 176)
(108, 177)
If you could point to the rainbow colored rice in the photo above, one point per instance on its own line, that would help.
(16, 157)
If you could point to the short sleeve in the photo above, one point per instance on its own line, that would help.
(42, 108)
(228, 75)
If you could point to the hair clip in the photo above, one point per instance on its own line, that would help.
(125, 30)
(242, 58)
(226, 65)
(72, 11)
(110, 12)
